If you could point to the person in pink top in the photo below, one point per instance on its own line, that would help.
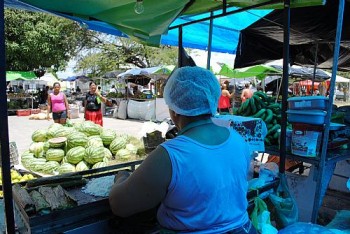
(58, 104)
(246, 93)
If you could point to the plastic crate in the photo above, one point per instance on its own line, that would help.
(14, 157)
(35, 111)
(152, 140)
(23, 112)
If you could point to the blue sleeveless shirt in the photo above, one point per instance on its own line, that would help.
(208, 188)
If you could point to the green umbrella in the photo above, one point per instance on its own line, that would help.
(258, 71)
(20, 75)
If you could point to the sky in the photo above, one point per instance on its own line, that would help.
(199, 56)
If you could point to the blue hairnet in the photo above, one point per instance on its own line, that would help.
(192, 91)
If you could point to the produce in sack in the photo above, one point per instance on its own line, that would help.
(117, 144)
(37, 148)
(39, 135)
(123, 154)
(94, 154)
(107, 136)
(53, 154)
(99, 165)
(50, 167)
(108, 154)
(66, 168)
(77, 139)
(95, 141)
(75, 155)
(91, 129)
(131, 148)
(57, 142)
(81, 166)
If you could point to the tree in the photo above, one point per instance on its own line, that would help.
(111, 53)
(36, 40)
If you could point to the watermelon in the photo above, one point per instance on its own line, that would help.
(123, 154)
(53, 129)
(57, 142)
(37, 164)
(107, 136)
(77, 139)
(66, 168)
(81, 166)
(46, 146)
(91, 129)
(108, 154)
(37, 148)
(99, 165)
(53, 154)
(131, 148)
(75, 155)
(64, 131)
(95, 141)
(39, 135)
(50, 167)
(117, 144)
(94, 154)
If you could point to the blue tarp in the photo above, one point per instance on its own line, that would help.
(225, 29)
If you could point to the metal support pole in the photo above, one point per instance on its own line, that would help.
(5, 151)
(180, 58)
(323, 157)
(210, 40)
(285, 78)
(315, 66)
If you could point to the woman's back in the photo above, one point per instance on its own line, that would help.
(202, 174)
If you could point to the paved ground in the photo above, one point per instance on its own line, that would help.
(21, 128)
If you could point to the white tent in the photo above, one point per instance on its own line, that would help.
(338, 79)
(49, 78)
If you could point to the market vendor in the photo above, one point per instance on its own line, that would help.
(58, 104)
(92, 104)
(198, 180)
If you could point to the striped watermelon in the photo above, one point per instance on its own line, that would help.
(117, 144)
(66, 168)
(54, 155)
(77, 139)
(64, 131)
(99, 165)
(95, 141)
(94, 154)
(75, 155)
(57, 142)
(107, 136)
(39, 135)
(91, 129)
(81, 166)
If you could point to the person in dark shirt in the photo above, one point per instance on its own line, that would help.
(92, 104)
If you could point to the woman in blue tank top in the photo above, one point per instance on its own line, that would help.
(193, 179)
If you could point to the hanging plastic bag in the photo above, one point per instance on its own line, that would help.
(261, 217)
(286, 208)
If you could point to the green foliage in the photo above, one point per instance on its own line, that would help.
(36, 40)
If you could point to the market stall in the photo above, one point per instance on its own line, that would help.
(282, 151)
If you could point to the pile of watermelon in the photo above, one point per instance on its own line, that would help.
(61, 149)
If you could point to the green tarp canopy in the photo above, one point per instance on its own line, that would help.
(20, 75)
(153, 21)
(258, 71)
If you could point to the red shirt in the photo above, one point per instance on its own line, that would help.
(224, 102)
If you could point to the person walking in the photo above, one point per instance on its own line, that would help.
(196, 182)
(92, 104)
(246, 93)
(58, 104)
(224, 105)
